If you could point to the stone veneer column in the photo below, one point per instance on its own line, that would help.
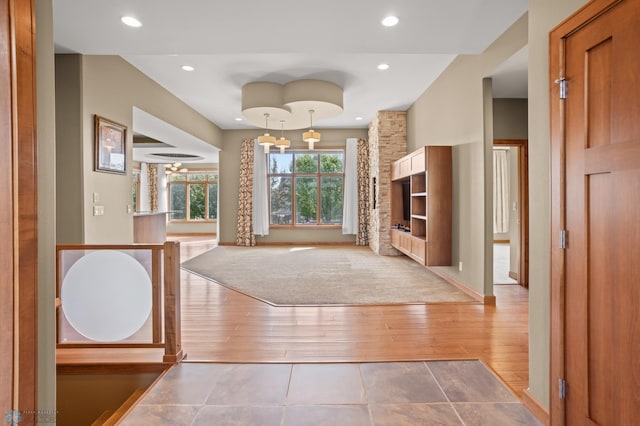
(387, 143)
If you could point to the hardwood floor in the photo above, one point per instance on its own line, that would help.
(220, 325)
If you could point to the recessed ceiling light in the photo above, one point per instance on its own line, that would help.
(238, 119)
(390, 21)
(383, 67)
(131, 21)
(358, 118)
(187, 68)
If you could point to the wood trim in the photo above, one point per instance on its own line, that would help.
(523, 203)
(192, 234)
(134, 246)
(156, 304)
(19, 209)
(486, 300)
(311, 243)
(7, 254)
(557, 171)
(172, 330)
(514, 275)
(121, 368)
(108, 345)
(501, 241)
(535, 407)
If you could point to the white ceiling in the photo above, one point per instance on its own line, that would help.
(232, 43)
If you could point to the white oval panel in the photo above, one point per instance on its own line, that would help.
(106, 296)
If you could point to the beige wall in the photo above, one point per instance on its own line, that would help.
(510, 119)
(468, 202)
(510, 122)
(543, 16)
(111, 88)
(45, 93)
(452, 112)
(69, 148)
(192, 228)
(82, 398)
(229, 186)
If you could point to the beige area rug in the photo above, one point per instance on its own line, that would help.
(323, 275)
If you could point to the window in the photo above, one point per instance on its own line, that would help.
(305, 187)
(135, 189)
(193, 196)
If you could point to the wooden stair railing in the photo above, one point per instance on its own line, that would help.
(165, 304)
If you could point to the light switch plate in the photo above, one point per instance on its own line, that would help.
(98, 210)
(96, 197)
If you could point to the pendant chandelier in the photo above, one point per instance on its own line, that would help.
(266, 140)
(295, 105)
(173, 169)
(311, 136)
(282, 143)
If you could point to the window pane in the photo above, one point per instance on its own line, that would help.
(213, 201)
(196, 201)
(280, 200)
(306, 163)
(212, 177)
(134, 189)
(332, 162)
(177, 177)
(306, 200)
(331, 200)
(177, 201)
(280, 163)
(197, 176)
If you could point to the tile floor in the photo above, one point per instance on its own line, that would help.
(396, 393)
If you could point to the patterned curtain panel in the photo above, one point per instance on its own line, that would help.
(152, 171)
(245, 236)
(362, 237)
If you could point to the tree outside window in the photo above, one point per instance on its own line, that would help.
(135, 189)
(193, 196)
(306, 187)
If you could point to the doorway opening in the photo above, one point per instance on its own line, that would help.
(511, 212)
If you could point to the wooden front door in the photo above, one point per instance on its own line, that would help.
(596, 200)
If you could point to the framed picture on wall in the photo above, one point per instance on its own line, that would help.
(110, 146)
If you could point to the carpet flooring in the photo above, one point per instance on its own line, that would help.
(323, 275)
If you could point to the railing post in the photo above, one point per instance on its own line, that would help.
(156, 294)
(172, 336)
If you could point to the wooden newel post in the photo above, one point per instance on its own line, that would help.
(172, 337)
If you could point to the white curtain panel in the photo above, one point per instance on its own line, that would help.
(260, 194)
(500, 191)
(350, 205)
(145, 202)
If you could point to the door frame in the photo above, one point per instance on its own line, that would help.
(523, 204)
(557, 39)
(18, 211)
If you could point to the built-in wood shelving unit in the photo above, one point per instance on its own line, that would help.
(421, 205)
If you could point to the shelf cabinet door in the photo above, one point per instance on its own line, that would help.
(418, 250)
(418, 163)
(405, 242)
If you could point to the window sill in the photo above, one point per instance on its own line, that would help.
(305, 227)
(193, 221)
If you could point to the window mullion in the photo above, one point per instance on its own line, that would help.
(187, 198)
